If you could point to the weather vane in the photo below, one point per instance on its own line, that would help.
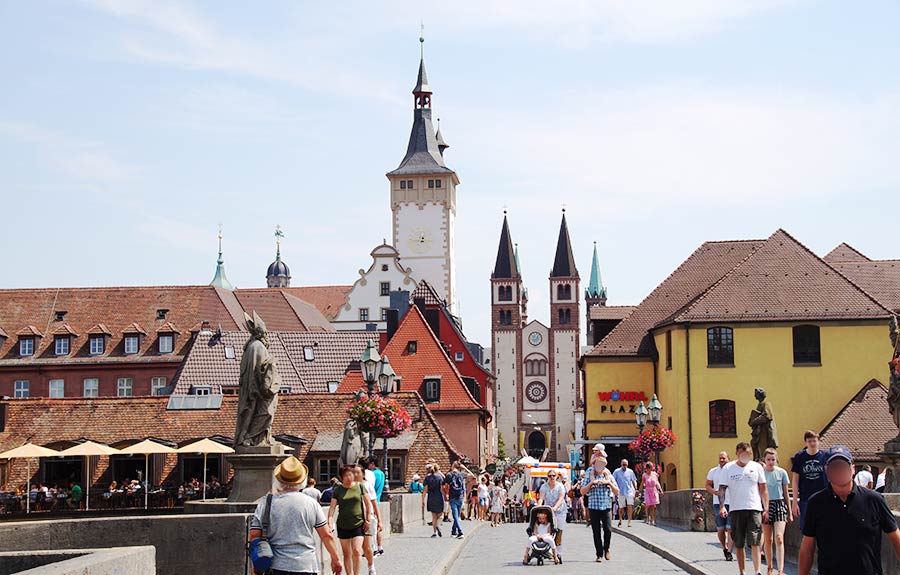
(278, 235)
(422, 39)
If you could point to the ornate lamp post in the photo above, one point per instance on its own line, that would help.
(640, 416)
(370, 362)
(655, 409)
(386, 377)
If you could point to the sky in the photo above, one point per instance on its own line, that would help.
(129, 130)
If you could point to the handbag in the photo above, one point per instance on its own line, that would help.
(260, 550)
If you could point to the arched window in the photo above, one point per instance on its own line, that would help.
(504, 293)
(807, 347)
(568, 316)
(560, 293)
(562, 315)
(720, 346)
(567, 292)
(536, 444)
(721, 418)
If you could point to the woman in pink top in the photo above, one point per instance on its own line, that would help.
(652, 492)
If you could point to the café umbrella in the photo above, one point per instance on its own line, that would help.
(205, 446)
(146, 448)
(27, 452)
(527, 461)
(87, 450)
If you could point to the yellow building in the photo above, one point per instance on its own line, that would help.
(735, 316)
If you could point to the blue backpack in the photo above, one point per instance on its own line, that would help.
(260, 550)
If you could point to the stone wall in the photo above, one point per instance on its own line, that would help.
(197, 544)
(689, 509)
(139, 560)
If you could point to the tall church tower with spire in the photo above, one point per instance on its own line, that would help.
(535, 366)
(423, 199)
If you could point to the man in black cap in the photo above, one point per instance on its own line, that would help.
(845, 523)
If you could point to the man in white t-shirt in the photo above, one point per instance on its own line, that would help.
(723, 524)
(745, 481)
(864, 478)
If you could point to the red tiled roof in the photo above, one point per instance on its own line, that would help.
(30, 330)
(281, 311)
(707, 264)
(430, 359)
(845, 253)
(880, 278)
(101, 329)
(118, 421)
(864, 425)
(116, 308)
(65, 329)
(601, 312)
(332, 352)
(782, 280)
(327, 299)
(134, 329)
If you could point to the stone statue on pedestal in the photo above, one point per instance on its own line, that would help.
(762, 423)
(893, 397)
(259, 386)
(354, 443)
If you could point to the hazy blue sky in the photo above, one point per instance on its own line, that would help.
(129, 130)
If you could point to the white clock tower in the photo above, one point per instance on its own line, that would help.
(423, 201)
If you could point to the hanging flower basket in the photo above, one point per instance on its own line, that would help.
(381, 416)
(656, 439)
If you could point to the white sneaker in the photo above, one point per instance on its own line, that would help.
(372, 570)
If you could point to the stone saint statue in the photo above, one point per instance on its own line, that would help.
(762, 423)
(893, 398)
(258, 396)
(354, 443)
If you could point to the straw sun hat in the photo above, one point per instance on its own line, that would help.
(291, 471)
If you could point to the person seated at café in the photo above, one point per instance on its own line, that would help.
(75, 495)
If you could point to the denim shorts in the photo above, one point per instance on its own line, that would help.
(722, 523)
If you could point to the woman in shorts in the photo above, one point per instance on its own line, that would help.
(779, 511)
(352, 503)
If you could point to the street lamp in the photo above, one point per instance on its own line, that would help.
(640, 415)
(655, 408)
(386, 378)
(369, 363)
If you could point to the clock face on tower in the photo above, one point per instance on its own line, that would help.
(419, 240)
(535, 338)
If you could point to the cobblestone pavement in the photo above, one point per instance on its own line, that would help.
(416, 552)
(500, 550)
(699, 549)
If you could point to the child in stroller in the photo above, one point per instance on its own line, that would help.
(541, 531)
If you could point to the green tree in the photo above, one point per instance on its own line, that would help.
(501, 447)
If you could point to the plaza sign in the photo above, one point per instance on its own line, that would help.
(621, 397)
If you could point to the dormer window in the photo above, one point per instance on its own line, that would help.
(412, 346)
(166, 342)
(60, 316)
(62, 344)
(26, 346)
(432, 390)
(308, 353)
(162, 313)
(97, 344)
(201, 390)
(131, 344)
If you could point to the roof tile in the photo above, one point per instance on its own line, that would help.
(864, 425)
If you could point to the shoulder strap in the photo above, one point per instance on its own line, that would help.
(266, 515)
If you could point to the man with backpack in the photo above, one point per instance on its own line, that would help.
(456, 482)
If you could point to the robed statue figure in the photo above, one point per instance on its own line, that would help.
(258, 396)
(762, 423)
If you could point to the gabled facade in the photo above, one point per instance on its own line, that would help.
(538, 386)
(421, 362)
(366, 304)
(735, 316)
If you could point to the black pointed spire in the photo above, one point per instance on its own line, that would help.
(506, 266)
(564, 263)
(441, 144)
(423, 154)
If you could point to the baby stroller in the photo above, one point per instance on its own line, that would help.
(540, 548)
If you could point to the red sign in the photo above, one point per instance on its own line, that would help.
(617, 395)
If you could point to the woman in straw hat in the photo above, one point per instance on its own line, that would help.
(293, 517)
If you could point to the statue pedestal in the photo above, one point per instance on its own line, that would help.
(253, 476)
(891, 458)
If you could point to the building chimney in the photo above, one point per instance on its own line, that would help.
(393, 320)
